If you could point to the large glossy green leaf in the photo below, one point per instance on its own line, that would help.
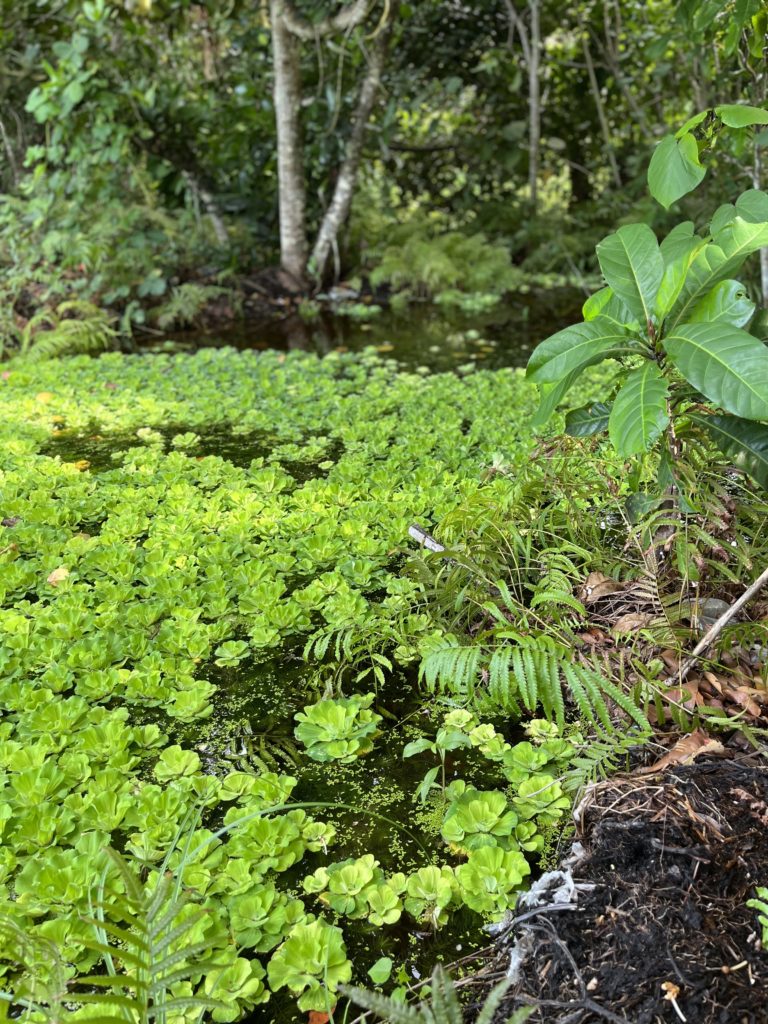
(691, 123)
(727, 303)
(725, 364)
(741, 237)
(676, 269)
(674, 170)
(716, 262)
(752, 206)
(588, 420)
(596, 303)
(678, 241)
(745, 441)
(633, 266)
(639, 412)
(576, 348)
(723, 216)
(738, 115)
(604, 303)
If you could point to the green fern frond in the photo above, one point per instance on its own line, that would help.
(601, 757)
(147, 941)
(185, 304)
(452, 669)
(534, 671)
(74, 327)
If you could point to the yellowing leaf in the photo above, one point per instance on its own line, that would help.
(58, 575)
(687, 749)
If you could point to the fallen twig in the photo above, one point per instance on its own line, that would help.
(715, 630)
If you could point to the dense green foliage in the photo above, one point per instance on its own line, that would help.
(137, 141)
(127, 581)
(256, 743)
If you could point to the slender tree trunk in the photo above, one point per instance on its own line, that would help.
(530, 43)
(600, 109)
(201, 194)
(290, 164)
(10, 155)
(534, 103)
(341, 203)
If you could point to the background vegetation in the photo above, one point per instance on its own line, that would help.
(303, 662)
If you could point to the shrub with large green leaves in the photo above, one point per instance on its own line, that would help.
(674, 318)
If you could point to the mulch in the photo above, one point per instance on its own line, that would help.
(655, 926)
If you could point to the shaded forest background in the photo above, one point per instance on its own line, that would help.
(434, 148)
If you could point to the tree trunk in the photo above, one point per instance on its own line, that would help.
(290, 164)
(534, 104)
(531, 46)
(600, 108)
(341, 203)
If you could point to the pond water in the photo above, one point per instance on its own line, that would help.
(422, 335)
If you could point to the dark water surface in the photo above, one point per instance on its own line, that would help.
(422, 335)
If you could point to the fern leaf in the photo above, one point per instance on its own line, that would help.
(591, 682)
(578, 693)
(525, 686)
(627, 705)
(384, 1006)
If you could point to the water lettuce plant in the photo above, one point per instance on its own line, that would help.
(476, 819)
(338, 730)
(488, 878)
(312, 963)
(357, 888)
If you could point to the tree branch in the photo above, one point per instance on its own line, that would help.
(517, 24)
(349, 16)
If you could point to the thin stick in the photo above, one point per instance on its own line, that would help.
(716, 629)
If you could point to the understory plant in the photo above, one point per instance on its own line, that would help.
(456, 269)
(673, 316)
(760, 904)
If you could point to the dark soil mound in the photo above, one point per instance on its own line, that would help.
(656, 927)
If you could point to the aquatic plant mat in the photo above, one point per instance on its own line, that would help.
(656, 926)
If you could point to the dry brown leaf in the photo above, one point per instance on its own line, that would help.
(631, 622)
(687, 749)
(598, 585)
(671, 660)
(688, 695)
(742, 697)
(58, 575)
(594, 637)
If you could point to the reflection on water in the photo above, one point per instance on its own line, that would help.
(422, 335)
